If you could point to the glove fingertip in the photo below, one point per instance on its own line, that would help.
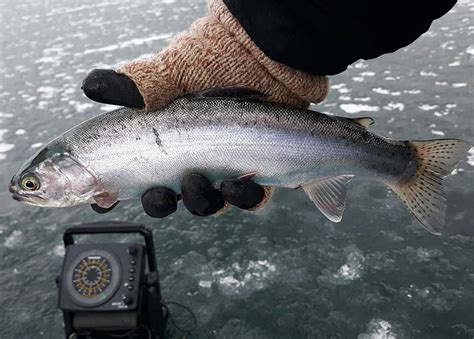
(159, 202)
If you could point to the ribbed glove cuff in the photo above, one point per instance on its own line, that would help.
(217, 52)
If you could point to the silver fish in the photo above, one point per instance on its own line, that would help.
(120, 154)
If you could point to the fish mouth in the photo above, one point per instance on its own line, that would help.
(19, 195)
(27, 198)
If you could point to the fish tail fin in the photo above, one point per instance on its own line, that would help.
(424, 194)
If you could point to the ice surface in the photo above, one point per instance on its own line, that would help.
(357, 108)
(14, 239)
(378, 329)
(470, 157)
(284, 271)
(427, 107)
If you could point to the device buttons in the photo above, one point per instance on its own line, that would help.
(129, 287)
(127, 299)
(133, 250)
(132, 262)
(131, 270)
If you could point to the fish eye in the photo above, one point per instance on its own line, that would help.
(30, 183)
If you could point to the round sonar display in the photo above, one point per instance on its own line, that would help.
(93, 277)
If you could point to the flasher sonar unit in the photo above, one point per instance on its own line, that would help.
(111, 289)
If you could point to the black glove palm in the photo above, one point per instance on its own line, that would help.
(199, 197)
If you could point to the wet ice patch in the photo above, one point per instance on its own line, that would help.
(341, 88)
(428, 73)
(380, 90)
(361, 64)
(345, 98)
(470, 157)
(15, 238)
(37, 145)
(58, 250)
(239, 279)
(364, 99)
(20, 131)
(129, 43)
(384, 91)
(80, 107)
(427, 107)
(412, 91)
(459, 84)
(351, 270)
(4, 147)
(470, 50)
(437, 132)
(356, 108)
(378, 329)
(391, 106)
(48, 92)
(205, 283)
(448, 45)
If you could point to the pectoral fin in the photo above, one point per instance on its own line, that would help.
(329, 195)
(106, 199)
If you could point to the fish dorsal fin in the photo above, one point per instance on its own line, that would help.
(329, 195)
(364, 121)
(232, 92)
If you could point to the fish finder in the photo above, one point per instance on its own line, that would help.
(110, 290)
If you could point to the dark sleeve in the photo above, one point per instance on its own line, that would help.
(325, 36)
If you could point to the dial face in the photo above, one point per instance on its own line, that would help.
(92, 275)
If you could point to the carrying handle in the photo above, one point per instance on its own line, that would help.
(115, 227)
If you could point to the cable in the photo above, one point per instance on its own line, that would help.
(123, 335)
(179, 328)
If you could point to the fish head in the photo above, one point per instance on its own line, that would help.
(53, 178)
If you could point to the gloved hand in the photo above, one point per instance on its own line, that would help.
(200, 197)
(215, 52)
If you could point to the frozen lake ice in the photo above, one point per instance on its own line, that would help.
(284, 271)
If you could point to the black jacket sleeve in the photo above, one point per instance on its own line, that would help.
(325, 36)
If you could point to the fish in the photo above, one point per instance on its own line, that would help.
(229, 133)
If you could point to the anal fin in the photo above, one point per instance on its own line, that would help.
(329, 195)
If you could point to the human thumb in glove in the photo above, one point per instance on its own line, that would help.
(215, 52)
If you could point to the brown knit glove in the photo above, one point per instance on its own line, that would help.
(217, 52)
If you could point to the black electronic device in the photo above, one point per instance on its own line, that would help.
(107, 290)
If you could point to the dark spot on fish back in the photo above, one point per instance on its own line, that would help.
(158, 141)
